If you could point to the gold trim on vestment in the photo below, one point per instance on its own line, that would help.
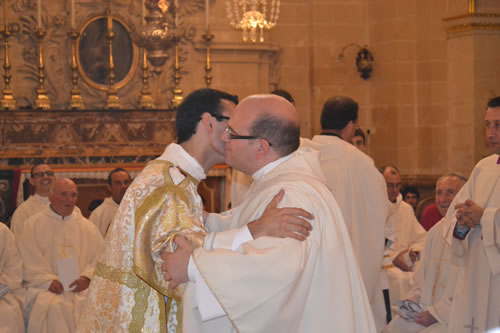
(141, 292)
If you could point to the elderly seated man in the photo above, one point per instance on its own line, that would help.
(59, 248)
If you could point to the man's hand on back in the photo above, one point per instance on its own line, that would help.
(281, 222)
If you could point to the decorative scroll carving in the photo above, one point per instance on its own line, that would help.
(84, 133)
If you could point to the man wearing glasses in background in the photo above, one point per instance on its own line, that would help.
(42, 179)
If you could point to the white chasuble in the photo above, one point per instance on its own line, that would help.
(11, 276)
(48, 238)
(434, 284)
(35, 204)
(103, 215)
(360, 191)
(476, 304)
(408, 235)
(127, 293)
(284, 285)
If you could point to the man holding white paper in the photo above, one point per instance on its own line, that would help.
(59, 248)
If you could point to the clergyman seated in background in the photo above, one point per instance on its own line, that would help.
(270, 284)
(411, 196)
(11, 277)
(436, 276)
(359, 189)
(359, 140)
(118, 183)
(59, 248)
(42, 178)
(446, 190)
(405, 236)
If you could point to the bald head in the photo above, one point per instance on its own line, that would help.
(447, 188)
(63, 196)
(274, 118)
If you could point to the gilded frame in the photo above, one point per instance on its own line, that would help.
(120, 34)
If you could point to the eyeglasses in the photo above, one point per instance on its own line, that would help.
(41, 174)
(232, 135)
(220, 117)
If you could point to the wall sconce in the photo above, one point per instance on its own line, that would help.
(364, 60)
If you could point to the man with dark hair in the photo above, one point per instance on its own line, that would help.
(339, 117)
(359, 140)
(285, 94)
(42, 179)
(199, 102)
(411, 196)
(118, 183)
(472, 227)
(359, 190)
(269, 284)
(163, 202)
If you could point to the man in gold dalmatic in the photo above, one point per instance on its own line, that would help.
(128, 292)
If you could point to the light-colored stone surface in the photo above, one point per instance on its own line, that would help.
(423, 105)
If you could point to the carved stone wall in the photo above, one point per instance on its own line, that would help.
(83, 137)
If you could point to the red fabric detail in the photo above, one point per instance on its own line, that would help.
(15, 187)
(430, 216)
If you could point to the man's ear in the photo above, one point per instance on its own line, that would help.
(207, 121)
(263, 148)
(108, 187)
(32, 181)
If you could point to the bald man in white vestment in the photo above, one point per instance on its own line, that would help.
(237, 284)
(359, 189)
(11, 276)
(435, 278)
(42, 178)
(59, 248)
(118, 183)
(409, 237)
(472, 227)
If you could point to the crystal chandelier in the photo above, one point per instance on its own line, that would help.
(251, 17)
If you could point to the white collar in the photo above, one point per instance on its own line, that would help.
(175, 154)
(41, 198)
(270, 166)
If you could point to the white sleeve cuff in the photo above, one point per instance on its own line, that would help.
(243, 235)
(208, 305)
(231, 239)
(192, 270)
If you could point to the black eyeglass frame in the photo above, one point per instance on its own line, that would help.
(232, 135)
(44, 173)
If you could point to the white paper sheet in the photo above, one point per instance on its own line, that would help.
(67, 271)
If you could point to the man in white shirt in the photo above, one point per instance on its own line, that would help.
(118, 183)
(42, 179)
(272, 284)
(11, 276)
(59, 248)
(405, 236)
(359, 189)
(435, 278)
(473, 228)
